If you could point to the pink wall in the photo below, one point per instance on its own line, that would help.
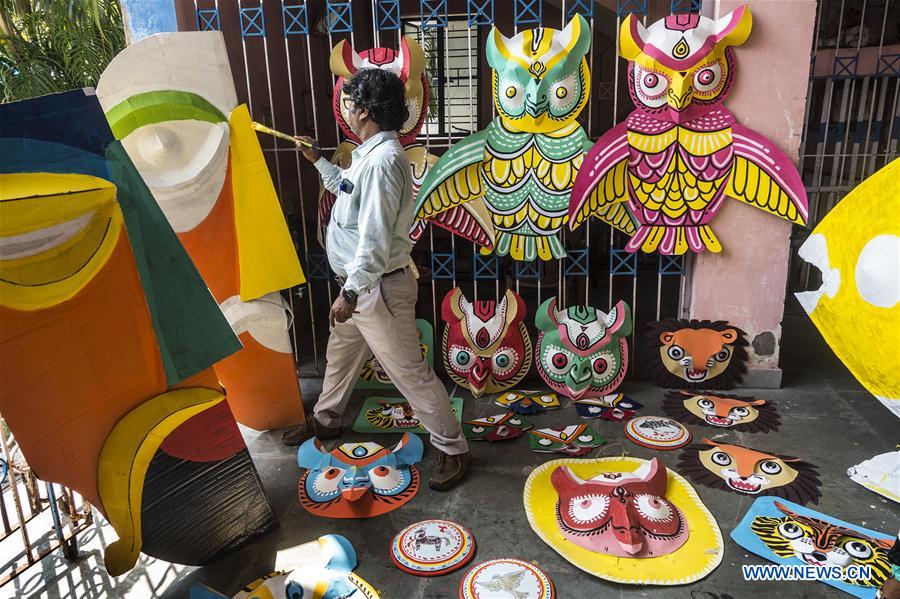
(745, 283)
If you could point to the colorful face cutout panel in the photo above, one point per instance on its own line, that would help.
(787, 533)
(573, 440)
(528, 402)
(524, 163)
(394, 415)
(880, 474)
(656, 432)
(373, 375)
(500, 427)
(681, 152)
(617, 407)
(326, 572)
(506, 578)
(170, 100)
(625, 519)
(97, 286)
(358, 480)
(432, 548)
(750, 472)
(486, 345)
(471, 221)
(857, 308)
(719, 410)
(582, 352)
(696, 354)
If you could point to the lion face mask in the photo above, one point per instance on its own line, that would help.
(750, 472)
(486, 345)
(718, 410)
(582, 352)
(696, 354)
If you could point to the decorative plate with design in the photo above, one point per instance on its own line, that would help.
(432, 548)
(506, 578)
(657, 432)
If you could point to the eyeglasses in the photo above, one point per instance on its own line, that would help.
(349, 104)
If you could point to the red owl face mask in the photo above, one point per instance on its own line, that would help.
(620, 513)
(486, 346)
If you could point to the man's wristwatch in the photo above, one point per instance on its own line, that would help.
(349, 295)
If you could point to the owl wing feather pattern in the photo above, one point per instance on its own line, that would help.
(763, 177)
(601, 187)
(455, 179)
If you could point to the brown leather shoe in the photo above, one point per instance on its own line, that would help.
(450, 470)
(308, 430)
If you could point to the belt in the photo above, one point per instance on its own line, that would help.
(342, 280)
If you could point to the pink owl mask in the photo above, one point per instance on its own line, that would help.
(625, 514)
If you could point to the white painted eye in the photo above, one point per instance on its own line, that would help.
(708, 78)
(514, 421)
(653, 508)
(588, 508)
(385, 478)
(675, 352)
(326, 483)
(770, 467)
(557, 360)
(585, 438)
(790, 530)
(512, 95)
(720, 458)
(477, 429)
(705, 403)
(858, 549)
(545, 442)
(723, 354)
(737, 413)
(184, 165)
(461, 358)
(651, 87)
(505, 359)
(878, 271)
(563, 92)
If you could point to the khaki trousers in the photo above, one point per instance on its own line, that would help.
(386, 324)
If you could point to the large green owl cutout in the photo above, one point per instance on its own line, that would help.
(582, 352)
(524, 164)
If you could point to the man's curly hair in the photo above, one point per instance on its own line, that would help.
(382, 93)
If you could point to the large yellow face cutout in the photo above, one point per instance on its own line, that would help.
(56, 232)
(857, 308)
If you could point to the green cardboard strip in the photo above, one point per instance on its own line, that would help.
(373, 377)
(394, 415)
(159, 106)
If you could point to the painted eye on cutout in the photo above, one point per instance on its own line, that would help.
(558, 363)
(651, 80)
(858, 549)
(651, 85)
(504, 361)
(511, 92)
(706, 403)
(675, 352)
(588, 508)
(600, 365)
(790, 530)
(653, 508)
(461, 359)
(561, 92)
(585, 438)
(770, 467)
(326, 483)
(385, 478)
(720, 458)
(708, 78)
(739, 412)
(723, 354)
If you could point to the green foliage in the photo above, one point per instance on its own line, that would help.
(49, 46)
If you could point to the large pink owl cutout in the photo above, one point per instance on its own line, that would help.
(472, 222)
(486, 346)
(680, 152)
(622, 514)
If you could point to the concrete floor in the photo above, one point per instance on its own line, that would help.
(827, 418)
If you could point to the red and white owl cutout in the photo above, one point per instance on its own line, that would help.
(681, 152)
(486, 346)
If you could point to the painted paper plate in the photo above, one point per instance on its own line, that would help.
(506, 578)
(432, 548)
(657, 432)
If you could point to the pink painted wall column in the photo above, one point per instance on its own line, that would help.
(746, 283)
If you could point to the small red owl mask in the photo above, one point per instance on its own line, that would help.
(486, 346)
(620, 513)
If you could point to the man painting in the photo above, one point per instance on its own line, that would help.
(368, 248)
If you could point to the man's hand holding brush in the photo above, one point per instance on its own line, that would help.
(308, 147)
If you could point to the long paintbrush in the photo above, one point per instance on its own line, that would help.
(262, 128)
